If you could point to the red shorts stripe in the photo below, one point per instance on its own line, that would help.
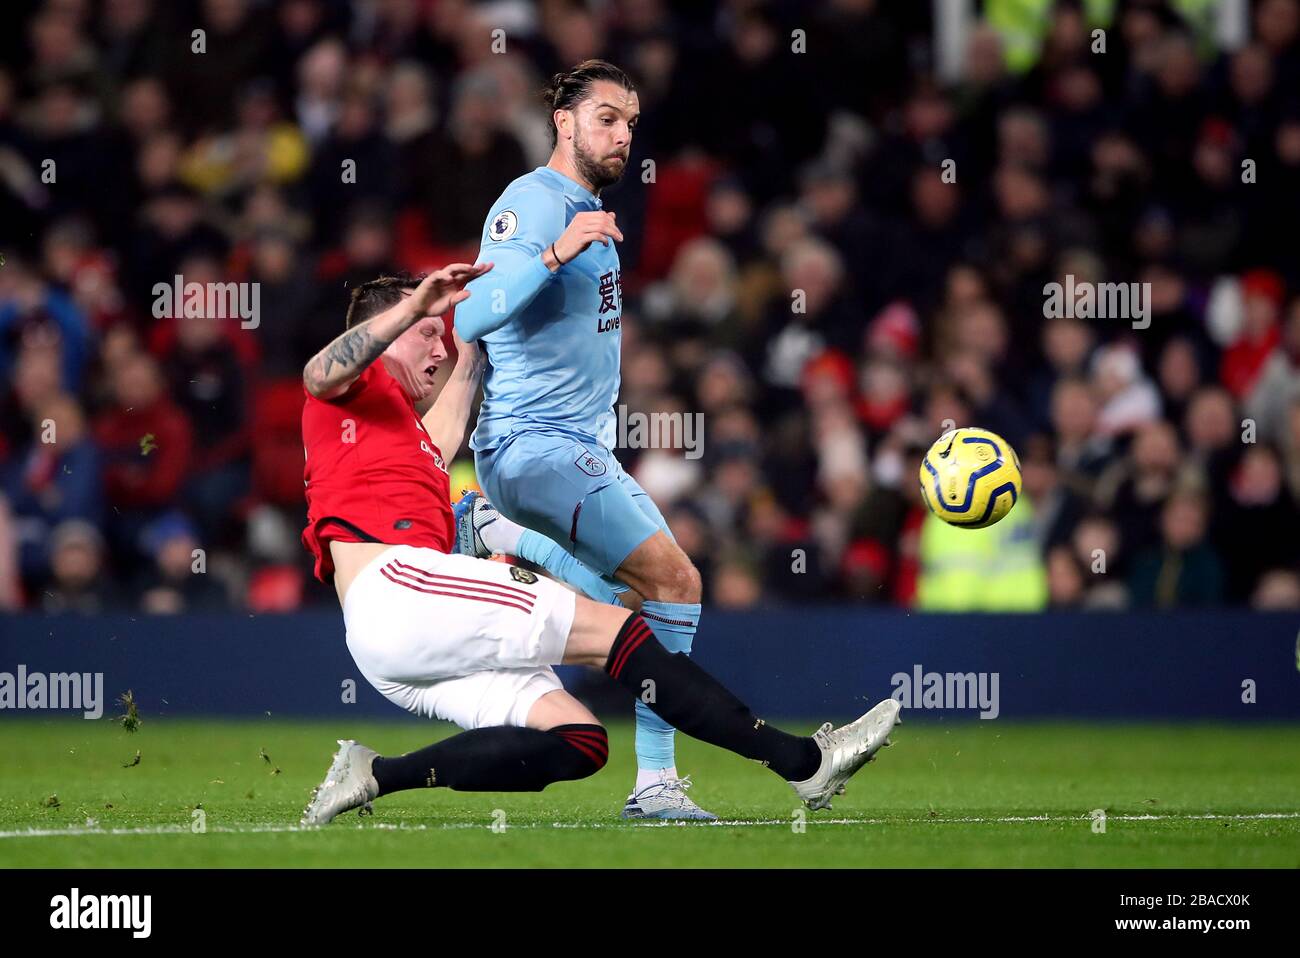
(463, 591)
(520, 593)
(437, 582)
(453, 595)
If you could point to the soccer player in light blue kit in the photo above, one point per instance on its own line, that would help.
(549, 317)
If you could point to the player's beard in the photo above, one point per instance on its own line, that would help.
(591, 169)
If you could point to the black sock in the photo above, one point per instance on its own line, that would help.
(500, 759)
(695, 702)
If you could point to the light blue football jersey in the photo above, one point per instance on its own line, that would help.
(552, 340)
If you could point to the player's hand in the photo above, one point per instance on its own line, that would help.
(444, 288)
(586, 228)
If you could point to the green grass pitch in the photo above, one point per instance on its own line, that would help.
(948, 794)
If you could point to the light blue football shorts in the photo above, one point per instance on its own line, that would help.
(571, 491)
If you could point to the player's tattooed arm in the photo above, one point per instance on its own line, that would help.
(448, 417)
(331, 371)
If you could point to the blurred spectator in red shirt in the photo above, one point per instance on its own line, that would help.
(1278, 384)
(1260, 334)
(147, 443)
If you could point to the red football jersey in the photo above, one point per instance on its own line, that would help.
(372, 473)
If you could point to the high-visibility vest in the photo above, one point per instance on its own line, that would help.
(996, 569)
(1022, 24)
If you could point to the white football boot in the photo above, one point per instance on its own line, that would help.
(348, 784)
(471, 514)
(665, 799)
(845, 750)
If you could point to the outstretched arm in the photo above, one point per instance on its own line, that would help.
(331, 371)
(529, 261)
(447, 419)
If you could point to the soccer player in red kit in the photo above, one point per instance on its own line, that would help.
(465, 639)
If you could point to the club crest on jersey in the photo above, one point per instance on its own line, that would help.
(589, 464)
(522, 575)
(503, 226)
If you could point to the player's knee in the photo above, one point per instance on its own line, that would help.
(695, 584)
(662, 572)
(587, 752)
(680, 582)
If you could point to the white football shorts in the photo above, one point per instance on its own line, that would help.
(457, 638)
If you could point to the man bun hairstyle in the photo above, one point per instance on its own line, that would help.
(372, 298)
(566, 90)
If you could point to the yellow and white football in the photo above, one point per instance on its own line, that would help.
(970, 477)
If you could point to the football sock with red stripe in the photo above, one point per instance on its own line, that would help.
(687, 697)
(499, 759)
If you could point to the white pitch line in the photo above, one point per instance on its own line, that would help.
(74, 831)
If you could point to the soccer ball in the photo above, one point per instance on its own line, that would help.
(970, 478)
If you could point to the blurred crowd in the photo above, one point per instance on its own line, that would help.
(832, 254)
